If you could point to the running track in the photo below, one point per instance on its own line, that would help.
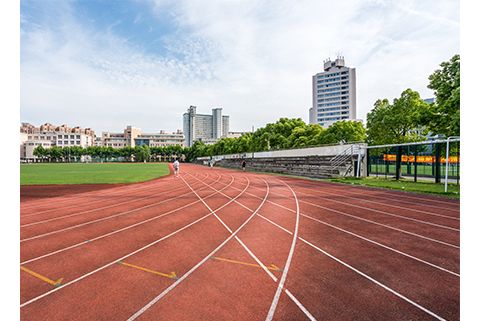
(218, 244)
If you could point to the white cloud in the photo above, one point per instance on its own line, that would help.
(253, 58)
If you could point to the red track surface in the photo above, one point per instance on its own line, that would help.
(229, 236)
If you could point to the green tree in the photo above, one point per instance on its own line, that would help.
(142, 153)
(443, 117)
(40, 152)
(398, 122)
(343, 132)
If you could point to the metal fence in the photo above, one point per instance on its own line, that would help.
(418, 161)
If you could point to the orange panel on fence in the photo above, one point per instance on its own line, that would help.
(420, 159)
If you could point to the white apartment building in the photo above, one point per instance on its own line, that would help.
(333, 94)
(133, 136)
(208, 128)
(161, 139)
(49, 135)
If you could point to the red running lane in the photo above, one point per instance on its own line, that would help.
(342, 268)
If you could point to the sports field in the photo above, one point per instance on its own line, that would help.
(219, 244)
(90, 173)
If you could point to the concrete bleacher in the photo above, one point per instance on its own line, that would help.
(307, 166)
(316, 162)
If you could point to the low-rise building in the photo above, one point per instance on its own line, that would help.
(48, 135)
(161, 139)
(132, 137)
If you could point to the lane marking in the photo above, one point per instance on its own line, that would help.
(275, 300)
(372, 222)
(171, 275)
(269, 273)
(361, 273)
(383, 246)
(101, 219)
(384, 225)
(97, 208)
(119, 230)
(87, 195)
(121, 258)
(271, 267)
(55, 283)
(389, 196)
(389, 213)
(167, 290)
(399, 295)
(356, 235)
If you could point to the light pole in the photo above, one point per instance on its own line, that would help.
(447, 163)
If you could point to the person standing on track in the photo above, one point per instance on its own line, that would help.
(176, 166)
(243, 165)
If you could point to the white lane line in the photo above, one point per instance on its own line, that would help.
(195, 267)
(384, 225)
(366, 239)
(353, 234)
(102, 208)
(118, 259)
(101, 219)
(359, 272)
(275, 300)
(399, 295)
(119, 230)
(381, 203)
(376, 223)
(389, 196)
(86, 195)
(383, 246)
(272, 276)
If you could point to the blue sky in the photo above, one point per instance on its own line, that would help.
(107, 64)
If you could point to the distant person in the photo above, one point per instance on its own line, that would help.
(176, 166)
(244, 165)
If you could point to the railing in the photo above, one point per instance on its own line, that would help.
(347, 154)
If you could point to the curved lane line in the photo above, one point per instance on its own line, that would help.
(380, 224)
(121, 258)
(354, 234)
(119, 230)
(389, 195)
(195, 267)
(262, 265)
(104, 207)
(275, 300)
(86, 195)
(381, 203)
(101, 219)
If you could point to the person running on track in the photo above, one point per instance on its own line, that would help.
(176, 166)
(244, 165)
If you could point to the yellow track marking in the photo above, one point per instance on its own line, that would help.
(171, 275)
(41, 277)
(270, 267)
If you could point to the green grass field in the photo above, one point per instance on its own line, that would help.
(94, 173)
(419, 187)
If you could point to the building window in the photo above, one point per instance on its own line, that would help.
(78, 136)
(60, 142)
(78, 142)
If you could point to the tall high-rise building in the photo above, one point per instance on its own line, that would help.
(208, 128)
(333, 94)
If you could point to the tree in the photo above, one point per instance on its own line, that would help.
(443, 117)
(343, 132)
(396, 123)
(40, 152)
(142, 153)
